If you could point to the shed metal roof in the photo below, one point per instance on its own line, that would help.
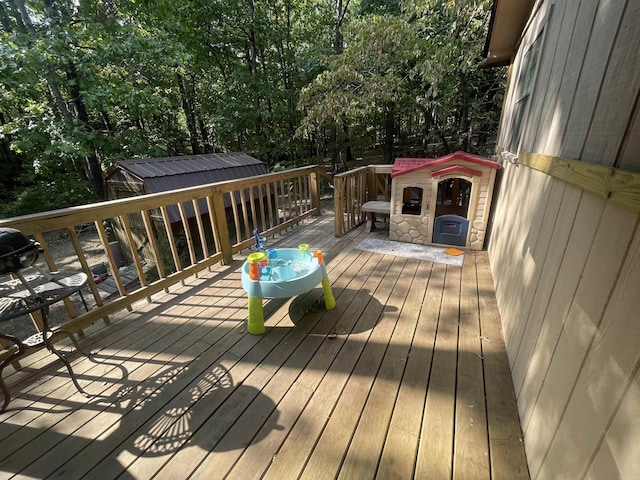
(171, 173)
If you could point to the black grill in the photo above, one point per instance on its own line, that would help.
(17, 251)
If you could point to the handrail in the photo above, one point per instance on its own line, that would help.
(180, 232)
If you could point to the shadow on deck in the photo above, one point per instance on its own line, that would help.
(406, 377)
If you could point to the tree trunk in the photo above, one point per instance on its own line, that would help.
(464, 113)
(107, 122)
(204, 133)
(338, 48)
(10, 163)
(252, 60)
(187, 107)
(347, 141)
(53, 86)
(93, 162)
(338, 39)
(389, 129)
(442, 136)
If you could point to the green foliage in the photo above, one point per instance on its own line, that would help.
(86, 84)
(59, 191)
(83, 87)
(393, 7)
(370, 74)
(420, 66)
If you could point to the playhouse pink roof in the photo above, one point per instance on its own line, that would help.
(407, 165)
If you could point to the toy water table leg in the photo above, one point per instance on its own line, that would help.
(329, 299)
(255, 324)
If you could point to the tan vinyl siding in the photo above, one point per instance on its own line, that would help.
(566, 261)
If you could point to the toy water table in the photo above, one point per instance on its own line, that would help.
(282, 273)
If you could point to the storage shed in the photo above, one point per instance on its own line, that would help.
(443, 200)
(135, 177)
(130, 178)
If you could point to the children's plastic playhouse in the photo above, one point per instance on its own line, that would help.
(443, 200)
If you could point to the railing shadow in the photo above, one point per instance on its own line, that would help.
(155, 420)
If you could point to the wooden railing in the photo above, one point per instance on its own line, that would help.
(177, 233)
(355, 187)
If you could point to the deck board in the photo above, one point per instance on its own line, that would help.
(389, 384)
(471, 452)
(435, 450)
(362, 363)
(401, 443)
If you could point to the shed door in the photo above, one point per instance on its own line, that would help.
(450, 230)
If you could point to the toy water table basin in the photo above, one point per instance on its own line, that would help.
(282, 273)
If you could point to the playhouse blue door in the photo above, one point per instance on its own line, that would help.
(450, 230)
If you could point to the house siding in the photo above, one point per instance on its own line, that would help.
(566, 262)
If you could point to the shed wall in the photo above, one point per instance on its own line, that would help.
(566, 262)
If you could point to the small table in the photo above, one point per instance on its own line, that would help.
(372, 208)
(17, 299)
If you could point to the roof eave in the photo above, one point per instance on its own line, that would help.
(508, 20)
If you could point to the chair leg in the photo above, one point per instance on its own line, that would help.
(21, 349)
(69, 335)
(371, 222)
(61, 356)
(5, 390)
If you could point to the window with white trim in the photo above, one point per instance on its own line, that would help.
(526, 80)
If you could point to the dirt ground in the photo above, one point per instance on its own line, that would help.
(64, 254)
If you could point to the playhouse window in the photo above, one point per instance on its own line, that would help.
(412, 201)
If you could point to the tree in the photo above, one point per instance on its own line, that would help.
(85, 84)
(462, 101)
(365, 84)
(74, 97)
(418, 69)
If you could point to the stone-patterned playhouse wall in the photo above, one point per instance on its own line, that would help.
(411, 228)
(419, 228)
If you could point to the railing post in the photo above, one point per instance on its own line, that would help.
(338, 204)
(220, 217)
(372, 194)
(314, 184)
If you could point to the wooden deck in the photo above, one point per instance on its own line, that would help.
(406, 378)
